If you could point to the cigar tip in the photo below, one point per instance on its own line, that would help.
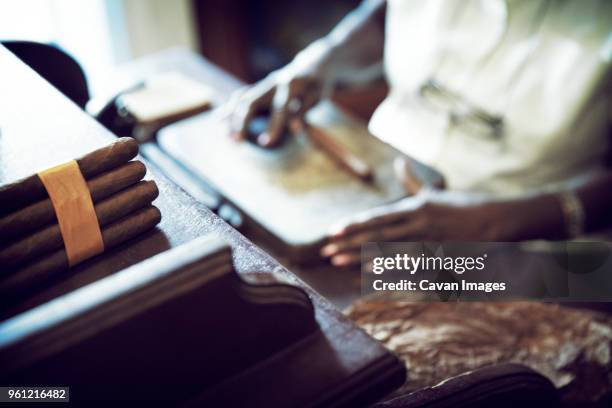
(157, 213)
(154, 188)
(127, 139)
(142, 169)
(129, 143)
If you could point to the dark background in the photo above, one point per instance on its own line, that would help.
(263, 35)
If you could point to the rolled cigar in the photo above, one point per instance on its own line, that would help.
(31, 218)
(113, 235)
(343, 157)
(107, 211)
(30, 189)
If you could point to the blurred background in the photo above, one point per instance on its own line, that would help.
(258, 36)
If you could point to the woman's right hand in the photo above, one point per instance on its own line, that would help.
(286, 94)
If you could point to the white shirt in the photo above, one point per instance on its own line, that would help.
(547, 80)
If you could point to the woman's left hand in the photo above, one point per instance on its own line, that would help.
(428, 216)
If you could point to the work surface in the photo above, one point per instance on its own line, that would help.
(295, 192)
(341, 286)
(40, 128)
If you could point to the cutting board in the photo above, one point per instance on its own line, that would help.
(292, 194)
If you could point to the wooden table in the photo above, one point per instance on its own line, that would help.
(40, 127)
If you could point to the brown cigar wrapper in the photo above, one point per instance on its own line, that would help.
(342, 156)
(35, 216)
(30, 189)
(50, 238)
(56, 262)
(339, 154)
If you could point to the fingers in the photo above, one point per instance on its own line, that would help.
(285, 97)
(278, 118)
(370, 219)
(411, 229)
(244, 105)
(309, 98)
(386, 214)
(290, 102)
(239, 121)
(403, 220)
(351, 242)
(346, 259)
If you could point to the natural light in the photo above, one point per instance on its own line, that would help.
(82, 28)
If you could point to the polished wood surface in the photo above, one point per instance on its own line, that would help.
(40, 128)
(111, 325)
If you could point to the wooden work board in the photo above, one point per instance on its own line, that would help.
(293, 194)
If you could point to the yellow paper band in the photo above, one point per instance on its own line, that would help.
(74, 210)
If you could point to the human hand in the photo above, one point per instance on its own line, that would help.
(428, 216)
(284, 95)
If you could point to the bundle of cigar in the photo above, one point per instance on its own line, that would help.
(32, 248)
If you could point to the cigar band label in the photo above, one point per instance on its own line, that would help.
(74, 210)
